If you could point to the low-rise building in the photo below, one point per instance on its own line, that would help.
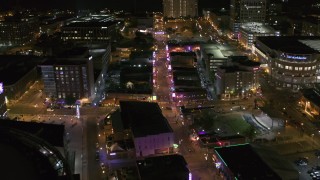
(249, 31)
(238, 78)
(310, 101)
(215, 55)
(164, 167)
(151, 131)
(242, 162)
(186, 85)
(89, 29)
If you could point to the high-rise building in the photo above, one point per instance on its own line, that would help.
(242, 11)
(180, 8)
(15, 30)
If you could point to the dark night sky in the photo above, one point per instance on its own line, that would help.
(142, 5)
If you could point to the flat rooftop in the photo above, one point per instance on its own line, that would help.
(258, 28)
(54, 61)
(14, 67)
(219, 51)
(170, 167)
(81, 52)
(291, 44)
(144, 118)
(182, 54)
(245, 163)
(52, 133)
(244, 60)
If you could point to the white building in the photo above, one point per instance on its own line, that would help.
(151, 131)
(249, 31)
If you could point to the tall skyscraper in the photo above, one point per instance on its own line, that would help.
(242, 11)
(180, 8)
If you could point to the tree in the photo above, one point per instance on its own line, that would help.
(212, 76)
(70, 100)
(206, 120)
(250, 133)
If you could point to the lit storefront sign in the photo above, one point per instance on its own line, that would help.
(1, 88)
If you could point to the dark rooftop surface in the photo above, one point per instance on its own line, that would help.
(182, 54)
(52, 133)
(91, 24)
(54, 61)
(143, 118)
(136, 74)
(245, 163)
(21, 159)
(169, 167)
(75, 52)
(289, 44)
(14, 67)
(230, 69)
(244, 60)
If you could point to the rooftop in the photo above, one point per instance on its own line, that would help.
(259, 28)
(219, 51)
(231, 69)
(144, 118)
(75, 52)
(244, 60)
(54, 61)
(291, 44)
(170, 167)
(14, 67)
(92, 24)
(245, 163)
(52, 133)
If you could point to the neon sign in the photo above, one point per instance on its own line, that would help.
(297, 57)
(1, 88)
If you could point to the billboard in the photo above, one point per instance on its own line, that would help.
(1, 87)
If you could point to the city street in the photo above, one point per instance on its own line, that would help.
(81, 134)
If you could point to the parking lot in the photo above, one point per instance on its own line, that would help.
(309, 170)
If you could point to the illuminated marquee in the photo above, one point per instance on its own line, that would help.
(297, 57)
(1, 88)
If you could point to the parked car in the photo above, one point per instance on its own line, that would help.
(303, 161)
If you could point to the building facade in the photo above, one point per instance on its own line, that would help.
(180, 8)
(292, 62)
(88, 32)
(69, 76)
(242, 11)
(151, 132)
(249, 31)
(18, 31)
